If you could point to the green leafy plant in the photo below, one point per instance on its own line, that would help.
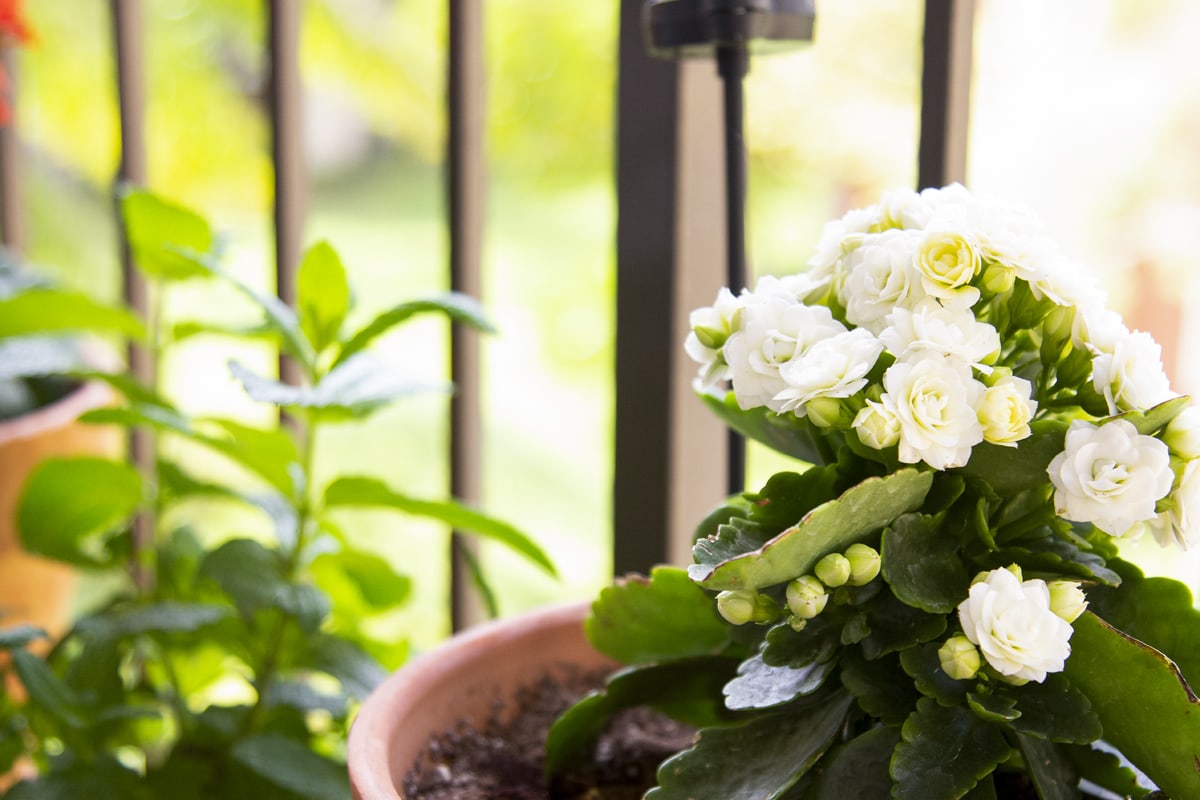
(225, 665)
(931, 606)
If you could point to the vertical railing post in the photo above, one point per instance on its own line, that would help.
(945, 92)
(465, 165)
(12, 223)
(130, 67)
(284, 98)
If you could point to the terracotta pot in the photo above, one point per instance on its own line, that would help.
(33, 589)
(460, 680)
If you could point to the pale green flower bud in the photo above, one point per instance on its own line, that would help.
(1067, 600)
(712, 338)
(998, 278)
(796, 624)
(1183, 433)
(829, 412)
(833, 570)
(864, 564)
(1015, 569)
(877, 427)
(806, 597)
(741, 607)
(959, 658)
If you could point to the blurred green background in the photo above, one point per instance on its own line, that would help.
(1085, 109)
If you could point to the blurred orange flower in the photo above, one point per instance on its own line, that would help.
(14, 29)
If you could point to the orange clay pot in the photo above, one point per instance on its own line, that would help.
(463, 679)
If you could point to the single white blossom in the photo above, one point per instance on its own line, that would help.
(773, 332)
(931, 327)
(1181, 526)
(839, 237)
(1131, 375)
(1013, 625)
(1110, 475)
(877, 426)
(1183, 433)
(905, 209)
(880, 275)
(934, 399)
(833, 367)
(1006, 410)
(1097, 329)
(710, 328)
(948, 261)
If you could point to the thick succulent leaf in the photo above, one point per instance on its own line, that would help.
(896, 626)
(639, 620)
(992, 707)
(290, 764)
(688, 689)
(859, 513)
(923, 664)
(1053, 773)
(461, 308)
(48, 311)
(1105, 769)
(1054, 556)
(352, 390)
(818, 641)
(944, 753)
(322, 295)
(735, 538)
(70, 509)
(1055, 710)
(371, 493)
(1012, 469)
(881, 686)
(1148, 710)
(760, 685)
(1155, 419)
(921, 562)
(859, 768)
(788, 496)
(788, 436)
(758, 760)
(158, 229)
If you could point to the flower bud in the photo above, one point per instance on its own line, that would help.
(833, 570)
(1183, 433)
(806, 597)
(829, 412)
(864, 564)
(1066, 599)
(959, 658)
(1015, 569)
(795, 623)
(876, 426)
(998, 278)
(740, 607)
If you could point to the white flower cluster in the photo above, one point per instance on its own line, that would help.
(902, 332)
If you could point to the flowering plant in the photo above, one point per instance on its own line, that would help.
(932, 605)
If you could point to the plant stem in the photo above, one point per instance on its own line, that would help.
(144, 450)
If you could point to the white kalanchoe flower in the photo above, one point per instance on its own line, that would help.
(1110, 476)
(772, 333)
(1097, 329)
(834, 367)
(798, 287)
(905, 209)
(1067, 600)
(877, 426)
(1131, 375)
(710, 328)
(1006, 411)
(1009, 235)
(934, 399)
(839, 237)
(948, 261)
(1183, 433)
(1013, 625)
(1182, 524)
(931, 327)
(881, 275)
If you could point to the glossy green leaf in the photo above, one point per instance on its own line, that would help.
(1053, 555)
(47, 691)
(1105, 769)
(788, 436)
(353, 390)
(921, 562)
(818, 641)
(160, 617)
(687, 689)
(1012, 469)
(757, 760)
(322, 295)
(158, 229)
(1055, 710)
(856, 515)
(1053, 773)
(923, 664)
(460, 308)
(363, 492)
(357, 671)
(788, 496)
(881, 687)
(944, 753)
(992, 707)
(364, 580)
(1155, 419)
(48, 311)
(291, 765)
(759, 685)
(1148, 710)
(858, 769)
(20, 636)
(70, 509)
(897, 626)
(639, 620)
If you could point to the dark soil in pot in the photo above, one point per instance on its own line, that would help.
(503, 760)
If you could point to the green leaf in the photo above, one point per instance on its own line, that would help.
(358, 672)
(291, 765)
(160, 617)
(788, 496)
(158, 229)
(100, 779)
(818, 641)
(352, 390)
(640, 620)
(833, 526)
(923, 664)
(944, 753)
(71, 509)
(760, 685)
(859, 768)
(1055, 710)
(691, 688)
(1052, 772)
(1153, 420)
(363, 579)
(20, 635)
(305, 697)
(254, 579)
(921, 562)
(1148, 710)
(458, 307)
(897, 626)
(1012, 469)
(323, 296)
(371, 493)
(1106, 769)
(881, 687)
(792, 438)
(47, 691)
(182, 331)
(992, 708)
(757, 760)
(43, 311)
(1054, 556)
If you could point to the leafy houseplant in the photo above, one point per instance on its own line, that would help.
(230, 660)
(932, 604)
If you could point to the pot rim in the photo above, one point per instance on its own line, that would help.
(62, 412)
